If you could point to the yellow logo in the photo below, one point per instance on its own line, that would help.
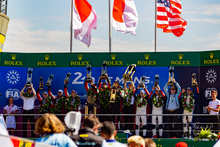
(47, 57)
(13, 56)
(80, 57)
(180, 56)
(113, 56)
(147, 56)
(211, 55)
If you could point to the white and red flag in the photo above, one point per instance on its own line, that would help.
(168, 17)
(84, 20)
(125, 17)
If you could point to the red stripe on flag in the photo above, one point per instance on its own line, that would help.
(118, 10)
(83, 8)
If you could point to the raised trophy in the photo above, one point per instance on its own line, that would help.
(49, 80)
(142, 81)
(29, 77)
(194, 80)
(89, 73)
(171, 76)
(67, 78)
(127, 76)
(156, 80)
(41, 83)
(113, 95)
(104, 69)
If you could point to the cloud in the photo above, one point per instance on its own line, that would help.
(203, 9)
(207, 20)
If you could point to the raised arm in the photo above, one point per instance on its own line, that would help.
(21, 93)
(65, 90)
(34, 92)
(166, 89)
(178, 88)
(38, 95)
(86, 86)
(50, 93)
(100, 83)
(147, 92)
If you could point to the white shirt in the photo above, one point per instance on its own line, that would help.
(112, 144)
(14, 108)
(214, 105)
(155, 109)
(132, 100)
(28, 103)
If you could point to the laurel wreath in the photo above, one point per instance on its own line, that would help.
(58, 106)
(140, 103)
(127, 97)
(69, 105)
(120, 89)
(91, 96)
(28, 95)
(189, 107)
(103, 97)
(157, 102)
(46, 105)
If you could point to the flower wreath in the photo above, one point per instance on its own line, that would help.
(127, 97)
(91, 96)
(157, 102)
(46, 105)
(118, 95)
(138, 101)
(103, 97)
(58, 106)
(189, 107)
(28, 95)
(69, 105)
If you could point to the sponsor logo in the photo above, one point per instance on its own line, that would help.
(198, 126)
(80, 57)
(15, 93)
(80, 62)
(46, 62)
(12, 77)
(207, 93)
(148, 62)
(13, 62)
(211, 76)
(211, 60)
(180, 61)
(113, 57)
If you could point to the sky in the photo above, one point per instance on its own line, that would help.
(44, 26)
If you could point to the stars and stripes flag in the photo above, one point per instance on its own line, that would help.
(84, 20)
(125, 17)
(168, 17)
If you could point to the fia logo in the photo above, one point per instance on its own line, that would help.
(211, 76)
(15, 93)
(12, 77)
(208, 91)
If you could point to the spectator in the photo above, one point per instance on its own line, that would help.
(51, 129)
(28, 98)
(108, 132)
(87, 135)
(149, 142)
(10, 119)
(136, 141)
(181, 144)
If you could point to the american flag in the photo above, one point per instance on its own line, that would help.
(168, 17)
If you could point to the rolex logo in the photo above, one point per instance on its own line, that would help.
(113, 56)
(211, 55)
(147, 56)
(47, 57)
(180, 56)
(13, 56)
(80, 57)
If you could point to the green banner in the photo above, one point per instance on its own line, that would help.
(14, 59)
(210, 58)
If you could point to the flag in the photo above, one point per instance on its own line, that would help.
(168, 17)
(125, 17)
(84, 20)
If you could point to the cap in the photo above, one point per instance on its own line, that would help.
(45, 92)
(173, 87)
(189, 88)
(157, 89)
(29, 88)
(116, 81)
(74, 91)
(181, 144)
(142, 91)
(60, 91)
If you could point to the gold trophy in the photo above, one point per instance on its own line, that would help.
(171, 76)
(113, 95)
(142, 81)
(104, 69)
(67, 78)
(41, 83)
(29, 77)
(49, 80)
(131, 70)
(156, 80)
(89, 73)
(194, 80)
(91, 103)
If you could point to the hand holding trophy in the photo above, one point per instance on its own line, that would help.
(131, 70)
(194, 80)
(67, 78)
(89, 73)
(104, 69)
(142, 81)
(171, 76)
(29, 77)
(49, 80)
(41, 83)
(156, 82)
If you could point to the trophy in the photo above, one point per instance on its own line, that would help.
(89, 73)
(194, 80)
(29, 77)
(156, 80)
(113, 95)
(67, 78)
(49, 80)
(171, 75)
(131, 70)
(104, 69)
(41, 83)
(142, 81)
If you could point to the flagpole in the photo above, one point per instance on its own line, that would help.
(110, 39)
(155, 28)
(71, 27)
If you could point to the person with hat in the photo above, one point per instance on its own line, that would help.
(157, 108)
(116, 94)
(141, 101)
(72, 101)
(172, 106)
(104, 88)
(188, 99)
(45, 102)
(28, 98)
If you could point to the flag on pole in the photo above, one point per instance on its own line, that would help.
(168, 17)
(84, 20)
(125, 17)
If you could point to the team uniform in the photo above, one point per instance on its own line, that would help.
(113, 143)
(45, 104)
(214, 119)
(10, 120)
